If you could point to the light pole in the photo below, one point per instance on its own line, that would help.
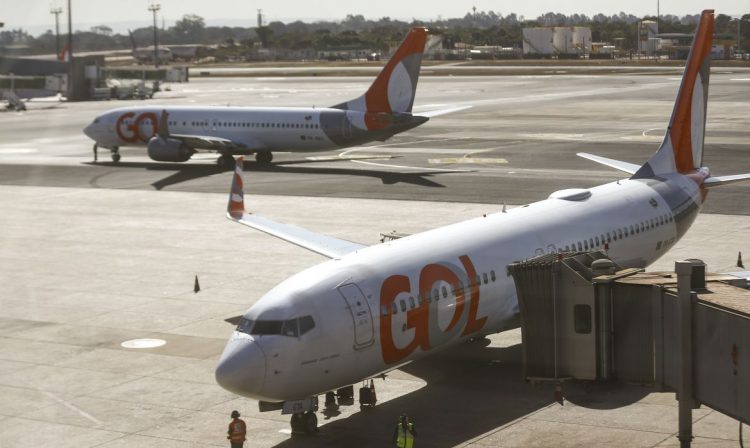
(57, 11)
(154, 7)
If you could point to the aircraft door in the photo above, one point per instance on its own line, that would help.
(361, 314)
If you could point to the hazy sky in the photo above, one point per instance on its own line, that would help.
(34, 14)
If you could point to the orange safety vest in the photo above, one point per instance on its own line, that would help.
(237, 431)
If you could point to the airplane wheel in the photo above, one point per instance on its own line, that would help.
(263, 157)
(116, 157)
(297, 423)
(226, 161)
(310, 423)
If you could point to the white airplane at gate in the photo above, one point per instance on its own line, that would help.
(175, 133)
(369, 310)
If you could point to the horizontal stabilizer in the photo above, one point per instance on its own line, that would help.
(715, 181)
(438, 112)
(629, 168)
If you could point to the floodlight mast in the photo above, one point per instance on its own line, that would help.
(154, 8)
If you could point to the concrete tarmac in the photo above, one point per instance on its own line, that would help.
(96, 255)
(515, 145)
(86, 270)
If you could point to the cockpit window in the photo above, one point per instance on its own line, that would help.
(292, 327)
(306, 323)
(263, 327)
(245, 325)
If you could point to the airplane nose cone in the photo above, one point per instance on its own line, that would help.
(90, 131)
(242, 367)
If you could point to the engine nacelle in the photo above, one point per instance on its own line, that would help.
(168, 150)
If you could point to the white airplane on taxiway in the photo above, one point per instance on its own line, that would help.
(175, 133)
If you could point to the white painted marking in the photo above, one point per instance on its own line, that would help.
(553, 136)
(18, 150)
(355, 157)
(468, 160)
(416, 168)
(285, 431)
(739, 79)
(72, 407)
(143, 343)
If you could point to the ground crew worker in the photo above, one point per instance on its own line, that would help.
(237, 430)
(405, 433)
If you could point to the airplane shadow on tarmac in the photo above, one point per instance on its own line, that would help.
(471, 390)
(186, 173)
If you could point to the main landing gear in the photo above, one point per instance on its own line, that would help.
(263, 157)
(226, 160)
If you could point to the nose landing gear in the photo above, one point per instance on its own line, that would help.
(115, 154)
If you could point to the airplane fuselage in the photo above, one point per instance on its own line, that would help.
(252, 128)
(389, 304)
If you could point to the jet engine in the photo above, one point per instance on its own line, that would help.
(168, 150)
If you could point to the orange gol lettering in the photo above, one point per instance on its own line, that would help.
(134, 128)
(418, 318)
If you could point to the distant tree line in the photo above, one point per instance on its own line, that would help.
(354, 31)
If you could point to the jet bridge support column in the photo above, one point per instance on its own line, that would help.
(686, 270)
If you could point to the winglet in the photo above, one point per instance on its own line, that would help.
(682, 148)
(236, 205)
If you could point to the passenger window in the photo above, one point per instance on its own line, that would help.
(591, 243)
(619, 232)
(580, 247)
(484, 277)
(597, 241)
(394, 308)
(435, 295)
(412, 305)
(445, 292)
(403, 305)
(586, 245)
(492, 273)
(609, 238)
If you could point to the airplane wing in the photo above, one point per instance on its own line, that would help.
(629, 168)
(209, 142)
(325, 245)
(438, 112)
(205, 142)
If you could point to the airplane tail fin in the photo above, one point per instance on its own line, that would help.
(394, 88)
(682, 148)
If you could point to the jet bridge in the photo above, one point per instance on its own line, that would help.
(585, 318)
